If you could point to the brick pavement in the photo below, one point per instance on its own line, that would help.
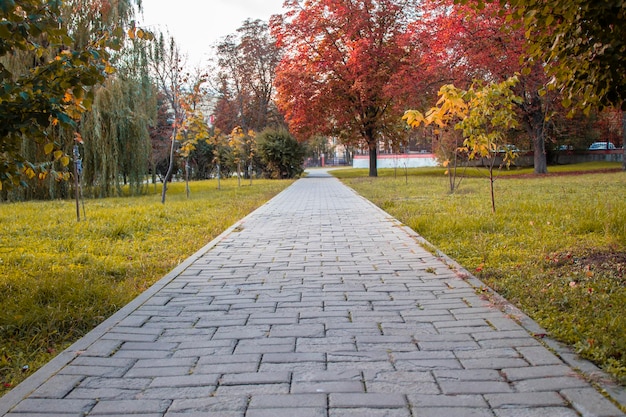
(316, 305)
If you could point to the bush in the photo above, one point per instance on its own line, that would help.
(281, 154)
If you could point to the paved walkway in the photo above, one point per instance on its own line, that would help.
(316, 305)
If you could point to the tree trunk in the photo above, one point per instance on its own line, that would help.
(170, 168)
(373, 150)
(540, 159)
(535, 126)
(624, 139)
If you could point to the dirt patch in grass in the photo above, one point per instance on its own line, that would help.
(589, 262)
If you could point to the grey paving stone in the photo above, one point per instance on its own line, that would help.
(209, 405)
(53, 406)
(484, 387)
(525, 400)
(468, 375)
(143, 372)
(494, 363)
(590, 402)
(196, 380)
(58, 386)
(538, 355)
(121, 383)
(287, 412)
(367, 400)
(103, 394)
(122, 407)
(518, 374)
(226, 368)
(250, 390)
(536, 412)
(369, 412)
(307, 387)
(176, 393)
(256, 378)
(103, 371)
(451, 412)
(323, 376)
(549, 384)
(70, 414)
(293, 357)
(465, 402)
(292, 401)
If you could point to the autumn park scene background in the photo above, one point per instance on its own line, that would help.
(118, 160)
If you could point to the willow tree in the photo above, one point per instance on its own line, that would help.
(116, 132)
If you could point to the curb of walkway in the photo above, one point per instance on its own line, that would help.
(594, 375)
(30, 384)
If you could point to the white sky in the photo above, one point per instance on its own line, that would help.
(196, 25)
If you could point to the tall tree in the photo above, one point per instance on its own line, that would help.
(581, 44)
(45, 80)
(246, 69)
(475, 44)
(339, 73)
(63, 52)
(168, 68)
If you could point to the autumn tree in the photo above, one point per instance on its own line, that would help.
(55, 58)
(45, 81)
(160, 139)
(450, 110)
(167, 66)
(246, 69)
(341, 68)
(581, 45)
(484, 113)
(484, 45)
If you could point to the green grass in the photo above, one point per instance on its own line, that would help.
(60, 278)
(556, 246)
(477, 172)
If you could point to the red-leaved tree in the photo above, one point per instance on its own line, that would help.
(483, 45)
(344, 63)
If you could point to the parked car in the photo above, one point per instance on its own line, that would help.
(599, 146)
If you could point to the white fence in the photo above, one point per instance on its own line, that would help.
(397, 161)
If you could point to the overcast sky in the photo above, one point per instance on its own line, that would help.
(198, 24)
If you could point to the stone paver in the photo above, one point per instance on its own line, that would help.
(317, 304)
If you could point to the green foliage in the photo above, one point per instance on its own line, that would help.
(281, 154)
(53, 90)
(583, 44)
(59, 278)
(555, 248)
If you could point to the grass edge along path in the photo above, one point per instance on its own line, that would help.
(60, 278)
(556, 248)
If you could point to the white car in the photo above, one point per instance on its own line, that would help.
(600, 146)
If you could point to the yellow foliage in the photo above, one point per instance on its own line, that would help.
(29, 172)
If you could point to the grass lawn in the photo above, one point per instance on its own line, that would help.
(556, 246)
(60, 278)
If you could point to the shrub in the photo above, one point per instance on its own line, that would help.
(281, 154)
